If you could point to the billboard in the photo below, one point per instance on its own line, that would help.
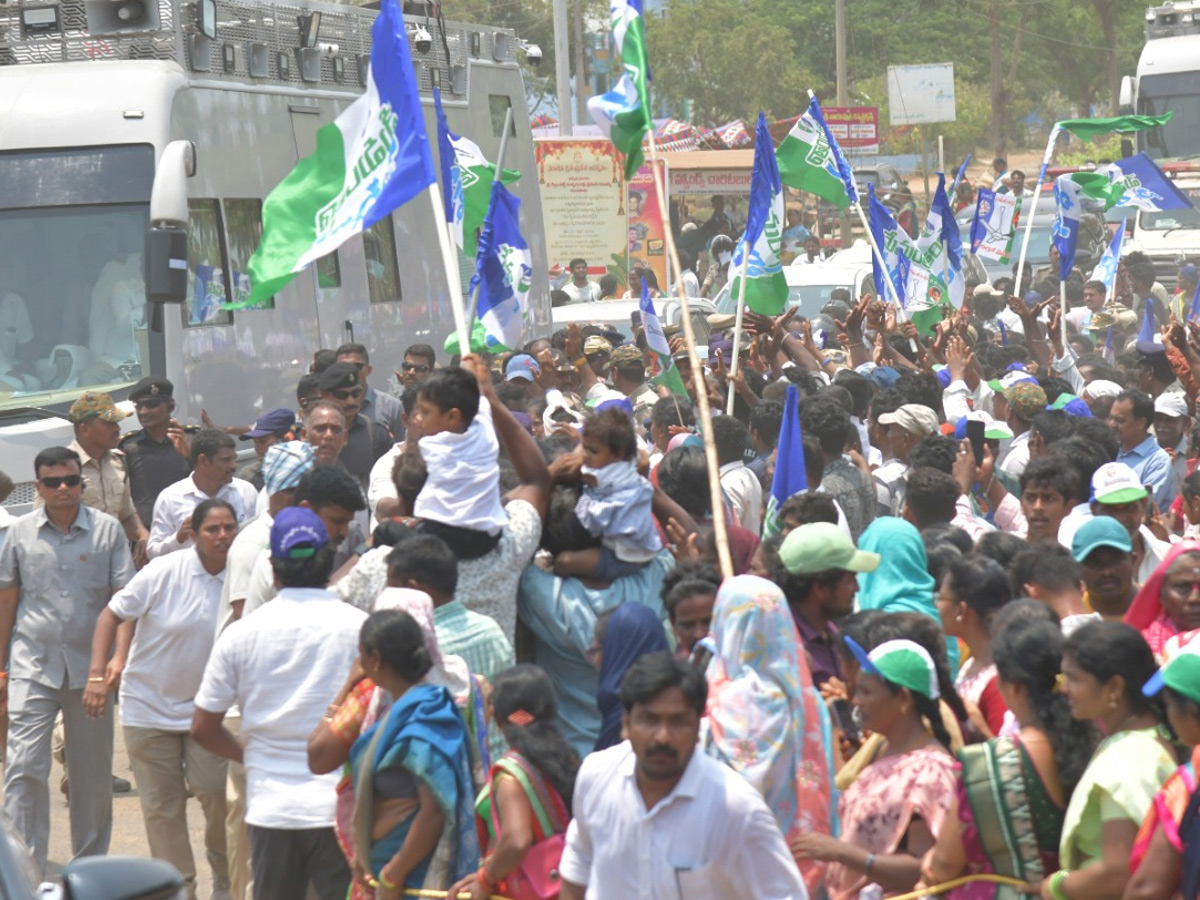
(921, 95)
(856, 128)
(648, 223)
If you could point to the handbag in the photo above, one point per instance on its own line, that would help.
(537, 877)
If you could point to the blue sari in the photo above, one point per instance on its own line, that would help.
(424, 734)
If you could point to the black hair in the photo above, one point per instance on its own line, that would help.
(938, 558)
(512, 395)
(886, 401)
(208, 443)
(322, 360)
(1053, 425)
(1159, 366)
(200, 513)
(731, 438)
(683, 476)
(427, 559)
(1142, 403)
(814, 459)
(921, 387)
(1143, 272)
(1000, 547)
(409, 475)
(808, 507)
(1107, 649)
(399, 641)
(614, 430)
(449, 389)
(1084, 455)
(390, 532)
(424, 351)
(1073, 291)
(527, 689)
(1029, 653)
(55, 456)
(1024, 609)
(931, 496)
(668, 411)
(1191, 485)
(307, 388)
(309, 572)
(353, 349)
(982, 584)
(1049, 472)
(654, 673)
(827, 421)
(329, 486)
(688, 579)
(1045, 564)
(1053, 386)
(935, 451)
(945, 533)
(838, 395)
(563, 530)
(860, 388)
(767, 419)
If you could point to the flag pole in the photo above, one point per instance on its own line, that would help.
(1037, 192)
(450, 263)
(737, 325)
(724, 557)
(499, 176)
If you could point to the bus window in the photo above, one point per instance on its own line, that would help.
(243, 230)
(329, 272)
(207, 288)
(499, 105)
(383, 272)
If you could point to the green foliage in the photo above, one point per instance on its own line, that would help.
(1081, 153)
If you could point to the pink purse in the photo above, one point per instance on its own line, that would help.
(537, 877)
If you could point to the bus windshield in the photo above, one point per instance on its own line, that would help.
(72, 299)
(1158, 94)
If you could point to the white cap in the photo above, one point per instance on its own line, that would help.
(1116, 482)
(1171, 404)
(914, 418)
(1102, 388)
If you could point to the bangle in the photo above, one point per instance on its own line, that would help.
(870, 862)
(1056, 885)
(384, 883)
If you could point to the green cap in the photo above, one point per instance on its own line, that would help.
(1181, 673)
(821, 546)
(901, 662)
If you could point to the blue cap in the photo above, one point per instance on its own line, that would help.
(1097, 532)
(622, 403)
(297, 533)
(884, 377)
(1032, 299)
(522, 366)
(943, 376)
(277, 421)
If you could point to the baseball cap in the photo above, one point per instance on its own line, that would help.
(338, 377)
(277, 421)
(596, 344)
(901, 662)
(1102, 388)
(1097, 532)
(913, 418)
(1115, 482)
(615, 400)
(152, 386)
(991, 428)
(95, 405)
(297, 533)
(821, 546)
(1181, 673)
(1010, 379)
(1071, 405)
(985, 290)
(1172, 405)
(943, 375)
(626, 355)
(284, 464)
(884, 377)
(1026, 399)
(522, 366)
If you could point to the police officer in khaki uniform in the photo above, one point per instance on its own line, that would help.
(156, 455)
(627, 369)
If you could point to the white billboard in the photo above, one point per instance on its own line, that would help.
(921, 95)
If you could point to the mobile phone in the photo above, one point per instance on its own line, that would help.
(975, 432)
(844, 716)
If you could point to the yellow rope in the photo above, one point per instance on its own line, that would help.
(957, 882)
(414, 892)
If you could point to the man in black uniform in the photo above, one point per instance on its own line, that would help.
(157, 454)
(367, 440)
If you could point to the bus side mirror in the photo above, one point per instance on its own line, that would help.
(166, 265)
(1125, 97)
(166, 241)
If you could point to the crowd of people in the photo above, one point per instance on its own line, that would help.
(471, 633)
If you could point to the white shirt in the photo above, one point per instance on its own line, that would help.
(1072, 522)
(250, 542)
(589, 293)
(176, 503)
(744, 492)
(283, 666)
(380, 485)
(711, 837)
(1017, 458)
(1156, 552)
(175, 601)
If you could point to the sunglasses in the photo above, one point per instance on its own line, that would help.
(54, 482)
(148, 404)
(347, 393)
(414, 367)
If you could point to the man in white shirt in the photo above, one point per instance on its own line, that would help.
(214, 460)
(739, 484)
(654, 818)
(579, 289)
(283, 666)
(910, 424)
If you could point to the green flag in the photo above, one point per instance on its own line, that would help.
(1090, 128)
(809, 159)
(623, 113)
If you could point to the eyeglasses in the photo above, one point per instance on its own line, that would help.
(414, 367)
(152, 403)
(347, 393)
(54, 482)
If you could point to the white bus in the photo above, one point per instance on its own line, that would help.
(207, 105)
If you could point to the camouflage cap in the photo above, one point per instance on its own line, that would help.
(95, 405)
(596, 344)
(1026, 400)
(626, 355)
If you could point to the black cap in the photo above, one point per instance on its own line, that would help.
(338, 377)
(152, 386)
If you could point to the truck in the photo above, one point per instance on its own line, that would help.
(1168, 80)
(138, 141)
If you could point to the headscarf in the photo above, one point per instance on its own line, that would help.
(1147, 613)
(633, 631)
(902, 582)
(451, 672)
(765, 717)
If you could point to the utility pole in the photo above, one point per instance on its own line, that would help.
(839, 49)
(562, 67)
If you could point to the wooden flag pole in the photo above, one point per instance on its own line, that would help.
(724, 557)
(737, 325)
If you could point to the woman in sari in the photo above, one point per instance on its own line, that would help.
(1168, 604)
(630, 631)
(893, 812)
(1105, 665)
(1008, 815)
(1166, 853)
(765, 719)
(531, 785)
(363, 702)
